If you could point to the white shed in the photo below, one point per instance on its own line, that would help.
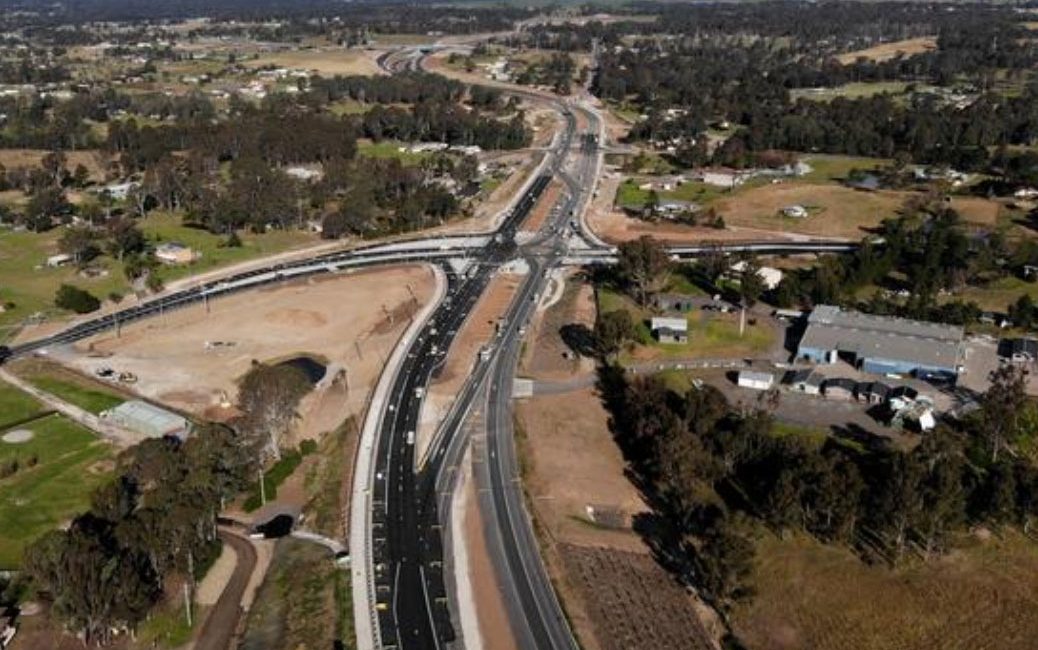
(756, 380)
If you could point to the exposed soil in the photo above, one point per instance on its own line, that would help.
(887, 51)
(192, 360)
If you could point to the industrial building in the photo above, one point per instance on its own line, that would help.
(148, 420)
(882, 344)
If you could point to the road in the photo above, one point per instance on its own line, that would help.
(403, 548)
(221, 625)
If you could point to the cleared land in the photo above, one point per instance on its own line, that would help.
(887, 51)
(605, 574)
(94, 161)
(634, 603)
(545, 353)
(851, 91)
(69, 463)
(327, 61)
(815, 596)
(351, 321)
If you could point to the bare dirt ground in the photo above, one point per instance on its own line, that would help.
(322, 317)
(536, 218)
(574, 463)
(93, 160)
(570, 462)
(835, 212)
(634, 604)
(327, 61)
(545, 354)
(887, 51)
(494, 628)
(476, 331)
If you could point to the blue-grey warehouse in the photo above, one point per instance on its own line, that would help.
(882, 344)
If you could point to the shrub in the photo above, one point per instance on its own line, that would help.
(76, 299)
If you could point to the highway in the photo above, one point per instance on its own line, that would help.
(401, 550)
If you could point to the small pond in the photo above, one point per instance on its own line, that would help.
(312, 368)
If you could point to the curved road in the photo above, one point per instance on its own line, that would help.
(221, 625)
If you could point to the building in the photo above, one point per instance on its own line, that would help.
(678, 302)
(882, 344)
(770, 276)
(175, 253)
(756, 380)
(1019, 350)
(805, 381)
(874, 393)
(839, 388)
(55, 261)
(670, 330)
(148, 420)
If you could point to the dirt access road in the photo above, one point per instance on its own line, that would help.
(221, 625)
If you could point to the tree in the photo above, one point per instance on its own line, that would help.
(751, 283)
(80, 242)
(269, 396)
(1001, 408)
(645, 266)
(126, 238)
(612, 331)
(76, 299)
(724, 564)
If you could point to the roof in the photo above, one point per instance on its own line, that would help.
(147, 418)
(672, 324)
(845, 383)
(753, 375)
(883, 337)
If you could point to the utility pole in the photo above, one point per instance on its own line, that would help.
(263, 488)
(742, 321)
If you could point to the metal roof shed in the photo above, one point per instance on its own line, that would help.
(148, 420)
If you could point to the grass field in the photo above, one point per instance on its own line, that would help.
(326, 61)
(887, 51)
(77, 390)
(823, 597)
(710, 335)
(71, 462)
(16, 406)
(30, 285)
(629, 195)
(390, 149)
(850, 91)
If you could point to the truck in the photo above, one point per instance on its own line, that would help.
(410, 437)
(419, 392)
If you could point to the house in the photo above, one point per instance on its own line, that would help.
(118, 191)
(874, 393)
(304, 174)
(770, 276)
(722, 177)
(175, 253)
(148, 420)
(1018, 350)
(671, 302)
(670, 330)
(755, 380)
(839, 388)
(996, 319)
(882, 344)
(62, 259)
(1026, 193)
(794, 211)
(806, 381)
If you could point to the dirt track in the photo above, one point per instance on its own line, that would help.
(221, 625)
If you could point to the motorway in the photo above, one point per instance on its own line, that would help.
(401, 554)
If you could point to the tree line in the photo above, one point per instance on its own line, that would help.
(716, 476)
